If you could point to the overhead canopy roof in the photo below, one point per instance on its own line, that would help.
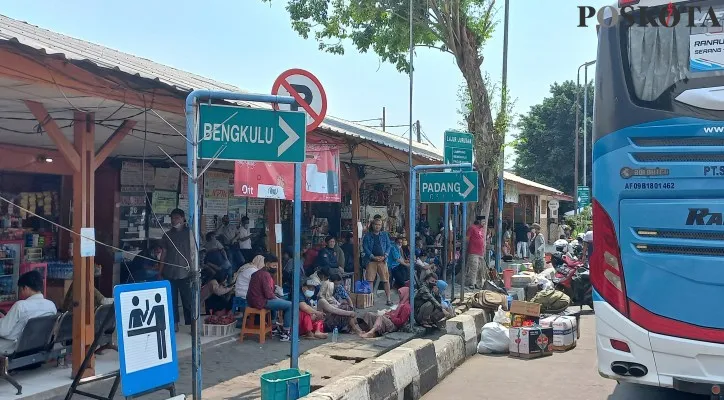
(159, 124)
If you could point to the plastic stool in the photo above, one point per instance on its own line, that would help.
(250, 328)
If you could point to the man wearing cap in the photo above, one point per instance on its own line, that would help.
(176, 263)
(477, 271)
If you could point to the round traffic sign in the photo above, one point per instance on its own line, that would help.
(308, 93)
(553, 205)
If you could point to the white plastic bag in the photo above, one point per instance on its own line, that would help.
(494, 339)
(501, 316)
(545, 283)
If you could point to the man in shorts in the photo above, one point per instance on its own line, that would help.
(376, 244)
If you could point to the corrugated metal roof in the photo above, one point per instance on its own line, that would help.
(78, 51)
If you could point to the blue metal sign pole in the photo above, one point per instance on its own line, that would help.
(454, 247)
(446, 239)
(294, 362)
(413, 216)
(192, 161)
(463, 248)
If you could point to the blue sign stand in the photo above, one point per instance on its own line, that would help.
(192, 142)
(146, 337)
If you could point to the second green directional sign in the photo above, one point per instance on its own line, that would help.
(449, 187)
(251, 134)
(458, 147)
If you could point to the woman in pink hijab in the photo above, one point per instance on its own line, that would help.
(391, 320)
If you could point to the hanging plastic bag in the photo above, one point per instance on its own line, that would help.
(493, 339)
(501, 316)
(362, 287)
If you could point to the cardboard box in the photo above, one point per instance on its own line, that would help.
(524, 311)
(564, 331)
(362, 300)
(530, 342)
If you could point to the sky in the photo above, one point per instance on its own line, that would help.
(248, 43)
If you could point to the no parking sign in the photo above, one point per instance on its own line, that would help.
(308, 93)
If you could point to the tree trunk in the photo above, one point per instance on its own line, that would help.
(487, 142)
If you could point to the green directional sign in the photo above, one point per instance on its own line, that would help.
(251, 134)
(458, 147)
(584, 196)
(449, 187)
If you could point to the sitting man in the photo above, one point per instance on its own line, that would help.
(429, 312)
(216, 255)
(32, 304)
(261, 294)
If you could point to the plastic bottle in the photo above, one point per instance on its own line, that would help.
(335, 335)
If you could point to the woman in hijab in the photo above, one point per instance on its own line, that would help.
(441, 287)
(391, 320)
(243, 276)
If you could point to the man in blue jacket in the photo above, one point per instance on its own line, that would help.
(376, 245)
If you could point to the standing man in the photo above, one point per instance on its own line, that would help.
(477, 271)
(538, 249)
(230, 237)
(176, 264)
(245, 238)
(588, 244)
(521, 241)
(377, 246)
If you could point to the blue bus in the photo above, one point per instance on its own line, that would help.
(658, 197)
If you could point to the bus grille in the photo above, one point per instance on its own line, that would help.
(678, 157)
(678, 141)
(679, 234)
(680, 250)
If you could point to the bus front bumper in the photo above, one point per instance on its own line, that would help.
(686, 365)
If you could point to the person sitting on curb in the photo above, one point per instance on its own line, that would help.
(311, 321)
(390, 321)
(429, 311)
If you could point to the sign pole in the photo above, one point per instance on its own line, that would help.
(446, 237)
(413, 219)
(454, 247)
(294, 362)
(192, 143)
(463, 231)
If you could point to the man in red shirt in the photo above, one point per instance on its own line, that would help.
(261, 294)
(477, 271)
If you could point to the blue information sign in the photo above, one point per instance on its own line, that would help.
(146, 338)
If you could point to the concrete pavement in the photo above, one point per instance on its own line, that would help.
(563, 376)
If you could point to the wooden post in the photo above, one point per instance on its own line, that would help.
(81, 157)
(83, 217)
(272, 211)
(354, 184)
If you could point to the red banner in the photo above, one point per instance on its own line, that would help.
(320, 177)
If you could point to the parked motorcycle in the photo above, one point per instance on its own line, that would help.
(572, 278)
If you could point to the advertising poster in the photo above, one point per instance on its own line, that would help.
(320, 177)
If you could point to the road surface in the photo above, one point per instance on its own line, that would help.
(563, 376)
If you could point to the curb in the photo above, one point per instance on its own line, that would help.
(412, 369)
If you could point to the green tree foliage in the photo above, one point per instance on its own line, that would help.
(458, 27)
(546, 141)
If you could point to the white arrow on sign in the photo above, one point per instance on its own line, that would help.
(470, 187)
(292, 136)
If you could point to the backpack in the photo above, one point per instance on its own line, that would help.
(552, 301)
(531, 245)
(488, 299)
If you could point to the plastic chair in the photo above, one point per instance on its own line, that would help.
(251, 328)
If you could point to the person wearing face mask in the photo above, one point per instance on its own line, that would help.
(230, 238)
(399, 267)
(143, 267)
(311, 321)
(429, 311)
(261, 295)
(176, 263)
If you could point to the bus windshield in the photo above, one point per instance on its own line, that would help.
(659, 57)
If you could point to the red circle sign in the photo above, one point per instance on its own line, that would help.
(308, 93)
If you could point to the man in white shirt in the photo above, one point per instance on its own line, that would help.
(588, 244)
(31, 305)
(245, 238)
